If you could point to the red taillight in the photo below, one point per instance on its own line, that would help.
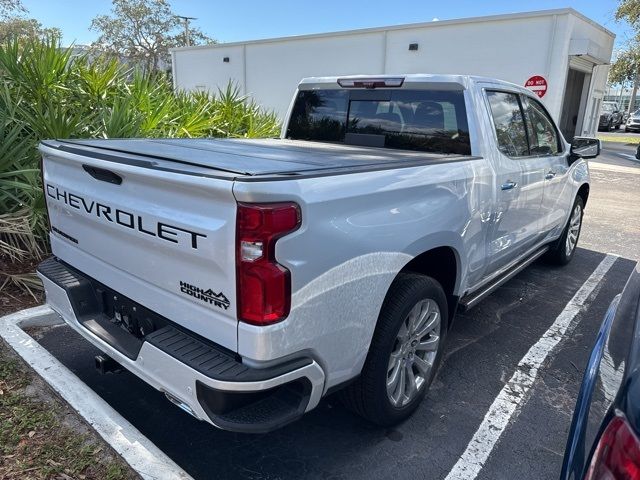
(264, 286)
(617, 456)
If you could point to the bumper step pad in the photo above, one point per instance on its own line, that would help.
(214, 362)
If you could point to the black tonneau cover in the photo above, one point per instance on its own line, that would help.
(254, 157)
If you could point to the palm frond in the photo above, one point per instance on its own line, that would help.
(25, 282)
(46, 91)
(18, 239)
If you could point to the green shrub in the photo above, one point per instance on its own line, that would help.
(47, 92)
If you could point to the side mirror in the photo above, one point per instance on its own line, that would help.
(584, 147)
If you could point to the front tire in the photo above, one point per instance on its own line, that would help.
(564, 249)
(405, 351)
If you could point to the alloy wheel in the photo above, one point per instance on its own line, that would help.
(574, 230)
(414, 353)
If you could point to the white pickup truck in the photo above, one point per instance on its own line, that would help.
(247, 279)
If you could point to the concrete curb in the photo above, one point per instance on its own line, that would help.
(138, 451)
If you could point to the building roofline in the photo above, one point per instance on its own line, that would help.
(432, 24)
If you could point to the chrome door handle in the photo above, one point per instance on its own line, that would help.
(550, 174)
(508, 185)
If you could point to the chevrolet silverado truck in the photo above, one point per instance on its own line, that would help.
(248, 279)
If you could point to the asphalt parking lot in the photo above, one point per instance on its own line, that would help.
(484, 348)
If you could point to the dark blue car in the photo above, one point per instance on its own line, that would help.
(603, 439)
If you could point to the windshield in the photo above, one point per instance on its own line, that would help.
(608, 107)
(424, 120)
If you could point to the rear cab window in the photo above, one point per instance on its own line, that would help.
(424, 120)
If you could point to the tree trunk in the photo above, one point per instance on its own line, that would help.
(634, 91)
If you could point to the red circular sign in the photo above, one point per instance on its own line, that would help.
(537, 85)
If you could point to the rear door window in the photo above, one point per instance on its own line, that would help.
(424, 120)
(509, 123)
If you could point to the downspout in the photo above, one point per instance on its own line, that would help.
(174, 72)
(384, 53)
(244, 69)
(552, 41)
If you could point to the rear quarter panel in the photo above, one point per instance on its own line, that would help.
(358, 231)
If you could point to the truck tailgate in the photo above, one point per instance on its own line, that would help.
(161, 237)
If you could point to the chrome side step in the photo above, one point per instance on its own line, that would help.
(471, 300)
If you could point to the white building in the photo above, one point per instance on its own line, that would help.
(561, 53)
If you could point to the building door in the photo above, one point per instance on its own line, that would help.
(573, 104)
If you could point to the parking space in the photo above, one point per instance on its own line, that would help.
(484, 348)
(612, 222)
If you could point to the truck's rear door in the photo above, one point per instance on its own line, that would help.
(161, 234)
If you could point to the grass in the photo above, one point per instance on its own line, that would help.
(620, 138)
(35, 440)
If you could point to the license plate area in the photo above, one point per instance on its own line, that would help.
(127, 314)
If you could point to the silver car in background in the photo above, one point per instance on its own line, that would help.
(633, 122)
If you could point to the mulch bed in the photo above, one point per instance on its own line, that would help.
(13, 298)
(41, 437)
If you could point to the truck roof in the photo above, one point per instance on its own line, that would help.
(410, 80)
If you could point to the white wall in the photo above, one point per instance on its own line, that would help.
(509, 48)
(204, 69)
(474, 49)
(275, 69)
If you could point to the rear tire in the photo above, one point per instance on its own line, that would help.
(563, 250)
(404, 354)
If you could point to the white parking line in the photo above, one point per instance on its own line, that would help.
(149, 461)
(514, 393)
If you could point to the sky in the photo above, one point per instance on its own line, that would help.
(254, 19)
